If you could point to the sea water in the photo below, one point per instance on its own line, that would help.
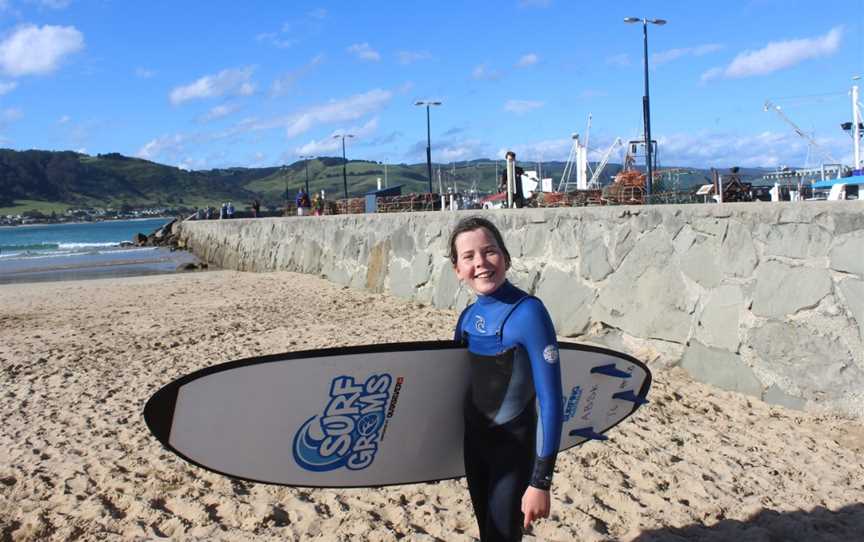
(83, 250)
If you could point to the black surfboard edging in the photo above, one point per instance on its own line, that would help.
(159, 409)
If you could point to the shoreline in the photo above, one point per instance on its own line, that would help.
(78, 360)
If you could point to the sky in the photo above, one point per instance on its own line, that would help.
(221, 83)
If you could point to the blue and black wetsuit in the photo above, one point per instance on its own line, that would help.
(514, 359)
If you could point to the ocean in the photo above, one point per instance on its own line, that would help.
(46, 252)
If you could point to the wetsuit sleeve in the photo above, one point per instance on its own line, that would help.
(457, 333)
(534, 331)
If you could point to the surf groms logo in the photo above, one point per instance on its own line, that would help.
(349, 430)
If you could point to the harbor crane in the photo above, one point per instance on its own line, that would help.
(618, 143)
(769, 106)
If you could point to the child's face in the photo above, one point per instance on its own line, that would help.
(480, 262)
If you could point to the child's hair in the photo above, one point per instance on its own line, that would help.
(472, 223)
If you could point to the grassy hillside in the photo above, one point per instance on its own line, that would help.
(53, 181)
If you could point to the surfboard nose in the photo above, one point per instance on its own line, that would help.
(159, 412)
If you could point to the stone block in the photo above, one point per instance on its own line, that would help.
(718, 324)
(684, 239)
(853, 292)
(720, 368)
(594, 264)
(402, 243)
(820, 366)
(567, 299)
(700, 263)
(800, 241)
(847, 254)
(737, 253)
(713, 226)
(776, 396)
(781, 290)
(447, 284)
(563, 240)
(534, 240)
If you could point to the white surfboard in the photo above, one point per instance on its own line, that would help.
(364, 416)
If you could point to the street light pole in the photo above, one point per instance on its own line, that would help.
(285, 177)
(306, 163)
(646, 102)
(344, 162)
(428, 104)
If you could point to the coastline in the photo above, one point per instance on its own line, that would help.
(79, 359)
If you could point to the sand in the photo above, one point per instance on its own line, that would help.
(79, 360)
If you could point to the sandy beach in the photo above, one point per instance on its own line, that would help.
(79, 359)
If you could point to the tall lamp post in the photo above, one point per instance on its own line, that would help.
(428, 104)
(285, 177)
(306, 159)
(344, 161)
(646, 103)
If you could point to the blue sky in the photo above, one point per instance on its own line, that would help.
(226, 83)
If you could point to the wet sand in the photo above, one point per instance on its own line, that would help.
(79, 359)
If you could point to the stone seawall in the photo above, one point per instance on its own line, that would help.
(766, 299)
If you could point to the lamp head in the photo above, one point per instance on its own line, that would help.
(660, 22)
(632, 20)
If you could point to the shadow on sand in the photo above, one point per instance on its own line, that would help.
(816, 525)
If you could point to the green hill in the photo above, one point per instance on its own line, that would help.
(54, 181)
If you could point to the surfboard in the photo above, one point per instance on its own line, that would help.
(364, 416)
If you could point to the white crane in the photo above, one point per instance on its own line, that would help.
(769, 106)
(593, 183)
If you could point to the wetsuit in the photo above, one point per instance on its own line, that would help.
(514, 359)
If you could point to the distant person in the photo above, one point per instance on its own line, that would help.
(208, 214)
(302, 201)
(256, 208)
(230, 210)
(223, 211)
(317, 205)
(518, 198)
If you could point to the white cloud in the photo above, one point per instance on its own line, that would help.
(550, 149)
(10, 114)
(332, 143)
(520, 107)
(65, 119)
(410, 57)
(364, 52)
(669, 55)
(144, 73)
(319, 13)
(167, 145)
(351, 108)
(527, 60)
(778, 55)
(33, 50)
(218, 112)
(230, 81)
(7, 87)
(482, 73)
(285, 82)
(621, 60)
(276, 40)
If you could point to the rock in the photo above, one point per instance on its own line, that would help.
(446, 288)
(402, 243)
(782, 290)
(139, 240)
(847, 254)
(189, 266)
(776, 396)
(700, 263)
(853, 292)
(821, 367)
(718, 324)
(594, 264)
(796, 241)
(645, 297)
(720, 368)
(737, 253)
(567, 299)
